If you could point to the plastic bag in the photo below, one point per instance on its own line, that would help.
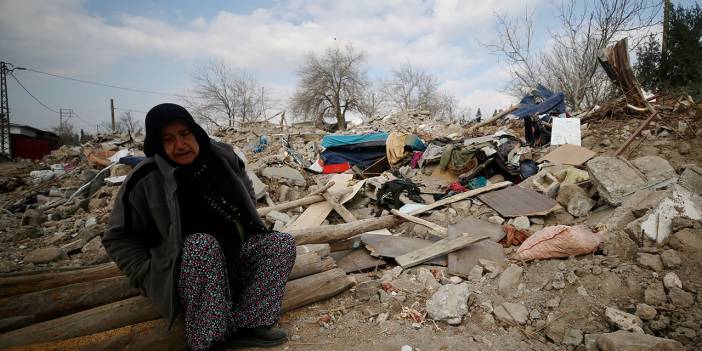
(559, 241)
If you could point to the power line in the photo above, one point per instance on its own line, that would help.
(109, 85)
(128, 109)
(30, 94)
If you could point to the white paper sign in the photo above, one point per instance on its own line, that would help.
(565, 131)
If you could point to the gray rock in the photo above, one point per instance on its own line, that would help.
(558, 281)
(509, 280)
(367, 290)
(554, 302)
(537, 220)
(274, 216)
(427, 280)
(44, 255)
(511, 313)
(671, 280)
(287, 175)
(687, 239)
(391, 274)
(645, 312)
(623, 320)
(654, 295)
(94, 252)
(650, 261)
(682, 222)
(568, 191)
(580, 205)
(258, 186)
(279, 226)
(684, 148)
(591, 342)
(670, 258)
(521, 222)
(691, 178)
(681, 298)
(626, 341)
(476, 273)
(28, 232)
(89, 233)
(496, 220)
(449, 302)
(33, 217)
(120, 170)
(573, 337)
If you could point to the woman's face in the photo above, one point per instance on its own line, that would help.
(179, 143)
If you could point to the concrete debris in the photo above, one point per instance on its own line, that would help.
(44, 255)
(511, 313)
(626, 341)
(450, 302)
(671, 280)
(509, 280)
(645, 312)
(624, 321)
(650, 261)
(616, 178)
(287, 175)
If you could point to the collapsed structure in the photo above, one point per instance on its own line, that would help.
(532, 230)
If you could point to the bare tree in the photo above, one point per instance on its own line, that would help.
(128, 124)
(569, 63)
(373, 102)
(66, 133)
(331, 85)
(224, 94)
(415, 89)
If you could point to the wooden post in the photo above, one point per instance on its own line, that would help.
(112, 112)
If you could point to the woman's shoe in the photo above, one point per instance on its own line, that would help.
(257, 337)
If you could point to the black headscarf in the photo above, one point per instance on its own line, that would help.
(162, 115)
(207, 202)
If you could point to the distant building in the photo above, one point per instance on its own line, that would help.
(30, 142)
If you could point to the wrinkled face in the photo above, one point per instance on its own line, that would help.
(179, 143)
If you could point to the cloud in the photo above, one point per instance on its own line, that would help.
(438, 36)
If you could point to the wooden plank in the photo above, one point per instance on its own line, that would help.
(395, 246)
(517, 201)
(345, 214)
(472, 225)
(308, 200)
(435, 227)
(358, 260)
(310, 263)
(330, 233)
(315, 214)
(461, 196)
(436, 249)
(304, 291)
(321, 249)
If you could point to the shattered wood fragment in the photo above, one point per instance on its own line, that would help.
(436, 249)
(437, 228)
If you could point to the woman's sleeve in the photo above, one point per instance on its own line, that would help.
(123, 240)
(241, 172)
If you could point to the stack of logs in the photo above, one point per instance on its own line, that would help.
(94, 308)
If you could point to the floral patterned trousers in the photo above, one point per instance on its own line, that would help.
(219, 296)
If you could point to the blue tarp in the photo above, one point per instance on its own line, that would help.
(551, 103)
(340, 140)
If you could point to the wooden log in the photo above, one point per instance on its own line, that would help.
(329, 233)
(494, 118)
(117, 314)
(308, 200)
(321, 249)
(121, 326)
(436, 249)
(23, 284)
(310, 263)
(340, 209)
(437, 228)
(313, 288)
(60, 301)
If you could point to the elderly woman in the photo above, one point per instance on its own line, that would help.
(185, 230)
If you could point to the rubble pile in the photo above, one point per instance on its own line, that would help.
(527, 233)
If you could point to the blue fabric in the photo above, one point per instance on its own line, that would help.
(551, 103)
(361, 157)
(131, 160)
(340, 140)
(414, 142)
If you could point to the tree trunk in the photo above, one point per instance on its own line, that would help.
(34, 282)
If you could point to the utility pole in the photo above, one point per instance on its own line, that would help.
(112, 110)
(5, 109)
(666, 28)
(4, 113)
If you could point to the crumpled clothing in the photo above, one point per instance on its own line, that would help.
(572, 175)
(395, 147)
(433, 152)
(389, 193)
(458, 160)
(514, 236)
(416, 157)
(457, 187)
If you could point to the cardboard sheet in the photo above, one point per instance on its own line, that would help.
(569, 155)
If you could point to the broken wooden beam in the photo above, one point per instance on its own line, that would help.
(435, 227)
(308, 200)
(461, 196)
(437, 249)
(347, 216)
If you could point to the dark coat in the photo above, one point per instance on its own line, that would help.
(144, 234)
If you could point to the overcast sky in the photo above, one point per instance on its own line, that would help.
(156, 46)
